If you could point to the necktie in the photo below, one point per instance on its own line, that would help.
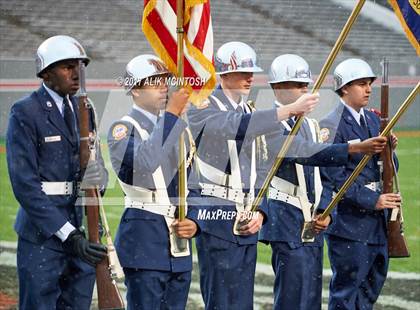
(291, 122)
(68, 116)
(363, 125)
(239, 109)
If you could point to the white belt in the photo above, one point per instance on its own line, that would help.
(156, 208)
(218, 191)
(374, 186)
(144, 195)
(211, 173)
(284, 186)
(57, 188)
(278, 195)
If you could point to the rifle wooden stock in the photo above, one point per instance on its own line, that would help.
(397, 245)
(386, 155)
(108, 294)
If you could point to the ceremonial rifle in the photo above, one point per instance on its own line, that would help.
(397, 245)
(108, 269)
(308, 231)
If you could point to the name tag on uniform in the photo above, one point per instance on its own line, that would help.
(52, 139)
(353, 141)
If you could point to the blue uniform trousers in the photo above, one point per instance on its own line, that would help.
(227, 272)
(359, 272)
(152, 289)
(298, 271)
(51, 279)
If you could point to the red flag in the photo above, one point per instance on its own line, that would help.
(159, 27)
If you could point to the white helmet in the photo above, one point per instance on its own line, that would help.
(141, 67)
(289, 68)
(58, 48)
(236, 57)
(350, 70)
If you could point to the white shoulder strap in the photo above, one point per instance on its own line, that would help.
(220, 104)
(235, 180)
(286, 125)
(314, 127)
(161, 195)
(302, 190)
(143, 133)
(253, 177)
(158, 178)
(302, 193)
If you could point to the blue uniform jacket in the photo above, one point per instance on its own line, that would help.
(355, 217)
(33, 157)
(142, 240)
(285, 221)
(212, 128)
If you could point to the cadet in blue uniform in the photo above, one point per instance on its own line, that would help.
(143, 149)
(357, 240)
(54, 260)
(225, 131)
(295, 193)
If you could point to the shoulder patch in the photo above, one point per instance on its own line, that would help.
(324, 133)
(119, 131)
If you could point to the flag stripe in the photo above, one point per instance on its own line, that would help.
(194, 23)
(167, 18)
(168, 21)
(166, 36)
(163, 33)
(159, 26)
(208, 44)
(202, 30)
(172, 3)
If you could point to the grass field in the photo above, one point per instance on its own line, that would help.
(409, 158)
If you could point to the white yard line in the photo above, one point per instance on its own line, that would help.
(262, 292)
(7, 259)
(267, 270)
(9, 246)
(395, 301)
(387, 300)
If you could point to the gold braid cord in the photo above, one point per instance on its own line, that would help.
(193, 149)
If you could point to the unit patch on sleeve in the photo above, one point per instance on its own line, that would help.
(119, 132)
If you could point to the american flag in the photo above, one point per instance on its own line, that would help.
(159, 26)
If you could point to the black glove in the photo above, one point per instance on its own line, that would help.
(76, 244)
(93, 176)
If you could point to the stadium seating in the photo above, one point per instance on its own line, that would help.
(111, 30)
